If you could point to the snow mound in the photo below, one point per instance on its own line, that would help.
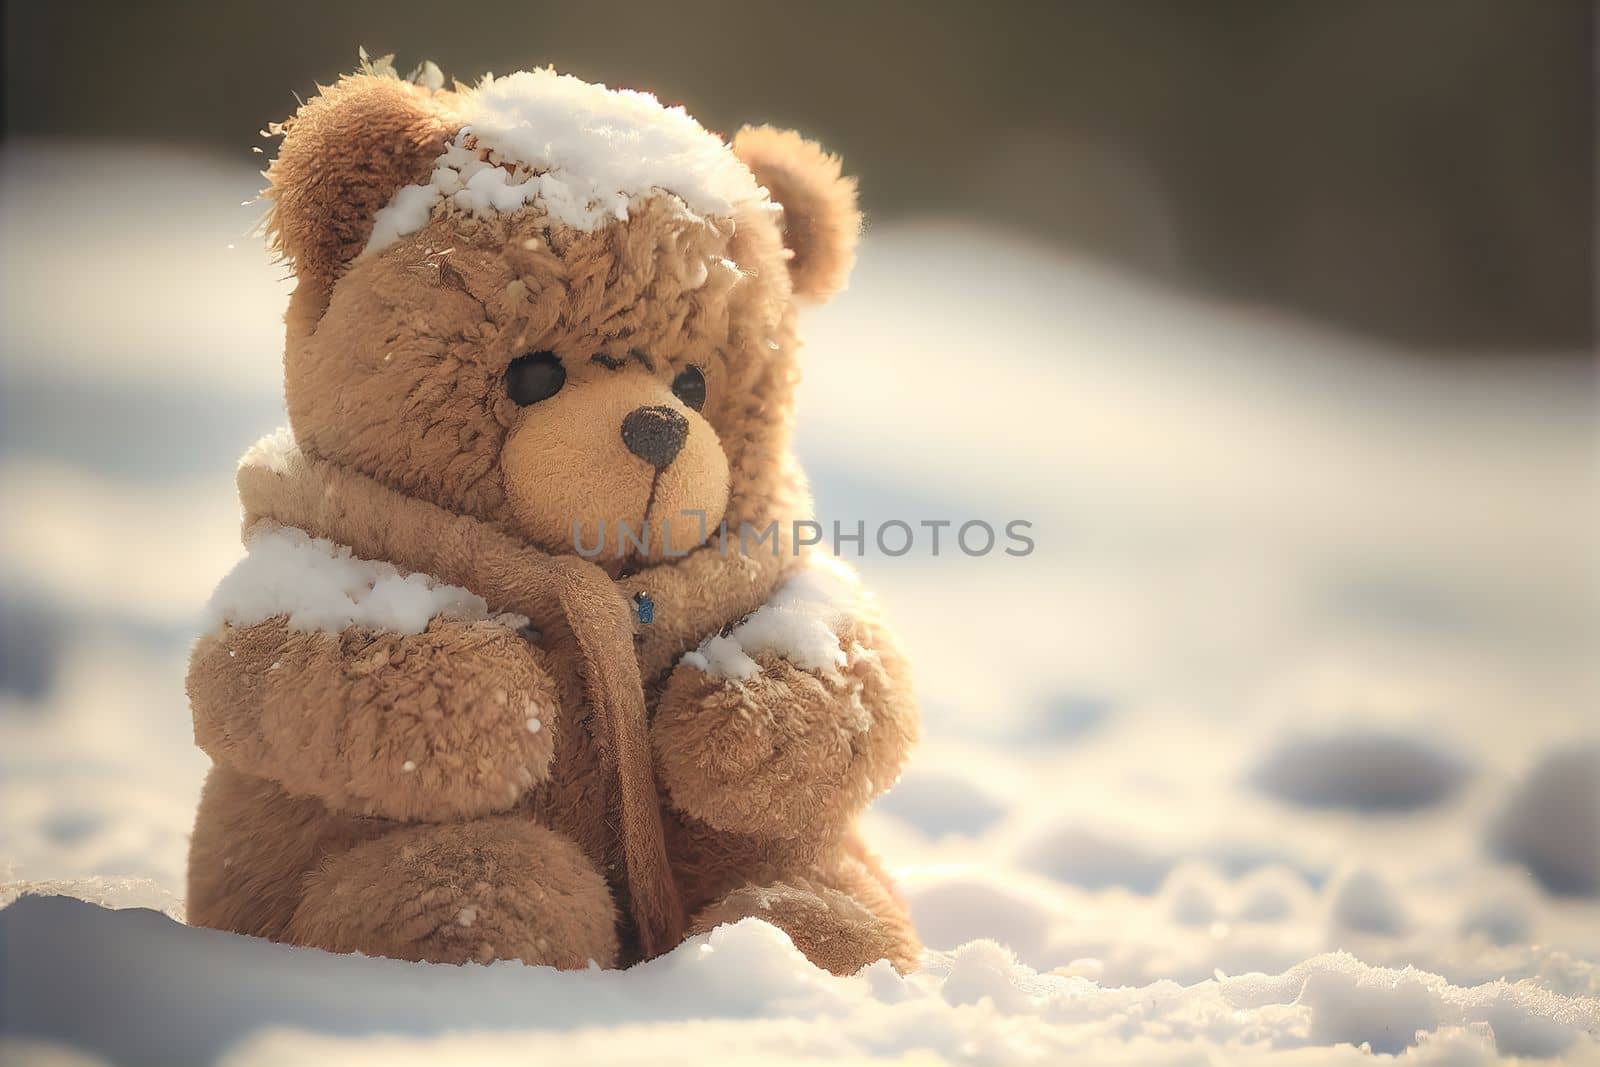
(1552, 823)
(1271, 894)
(1096, 858)
(138, 988)
(940, 803)
(1364, 902)
(1193, 895)
(110, 893)
(1068, 716)
(320, 585)
(1503, 918)
(1060, 717)
(1092, 854)
(1369, 771)
(1349, 1002)
(958, 908)
(580, 151)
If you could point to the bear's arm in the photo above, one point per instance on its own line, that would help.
(451, 722)
(789, 751)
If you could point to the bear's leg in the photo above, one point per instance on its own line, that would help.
(842, 922)
(861, 874)
(493, 888)
(253, 846)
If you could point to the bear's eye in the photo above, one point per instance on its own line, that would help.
(690, 387)
(535, 377)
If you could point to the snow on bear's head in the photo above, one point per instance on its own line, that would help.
(551, 305)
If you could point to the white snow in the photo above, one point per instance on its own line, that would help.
(1237, 519)
(1364, 901)
(114, 893)
(1194, 895)
(939, 802)
(581, 152)
(93, 979)
(798, 623)
(271, 451)
(323, 586)
(1504, 916)
(1098, 858)
(1366, 770)
(1271, 894)
(1552, 822)
(406, 213)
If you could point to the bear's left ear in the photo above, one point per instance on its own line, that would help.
(820, 219)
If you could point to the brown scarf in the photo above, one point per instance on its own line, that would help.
(582, 613)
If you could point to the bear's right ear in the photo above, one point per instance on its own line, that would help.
(821, 220)
(344, 155)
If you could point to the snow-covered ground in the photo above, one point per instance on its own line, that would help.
(1281, 743)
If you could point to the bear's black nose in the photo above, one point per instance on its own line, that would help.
(655, 434)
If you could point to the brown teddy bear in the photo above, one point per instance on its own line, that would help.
(525, 660)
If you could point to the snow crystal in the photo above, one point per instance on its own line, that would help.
(320, 585)
(797, 623)
(582, 152)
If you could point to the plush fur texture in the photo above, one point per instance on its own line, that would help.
(383, 793)
(500, 888)
(820, 217)
(794, 755)
(344, 154)
(430, 726)
(838, 922)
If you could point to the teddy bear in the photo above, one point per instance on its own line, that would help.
(525, 658)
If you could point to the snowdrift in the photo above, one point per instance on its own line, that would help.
(1299, 687)
(135, 986)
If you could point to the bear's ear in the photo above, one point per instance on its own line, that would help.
(820, 219)
(344, 154)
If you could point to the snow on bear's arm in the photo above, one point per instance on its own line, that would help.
(322, 586)
(800, 623)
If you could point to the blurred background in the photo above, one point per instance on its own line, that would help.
(1274, 319)
(1418, 171)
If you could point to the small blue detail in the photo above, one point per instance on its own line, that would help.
(644, 607)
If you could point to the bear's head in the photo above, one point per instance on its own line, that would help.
(557, 308)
